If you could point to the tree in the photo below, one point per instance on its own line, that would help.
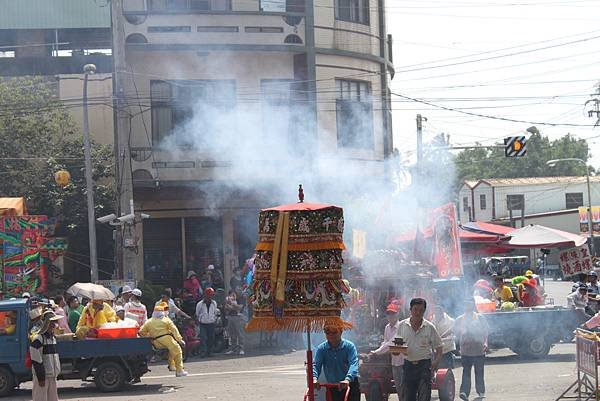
(472, 164)
(39, 137)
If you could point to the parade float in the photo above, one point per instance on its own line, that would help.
(298, 282)
(27, 248)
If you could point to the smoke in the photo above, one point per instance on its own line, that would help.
(259, 144)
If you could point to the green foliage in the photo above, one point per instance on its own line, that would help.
(39, 137)
(474, 164)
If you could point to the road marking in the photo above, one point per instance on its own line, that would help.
(278, 370)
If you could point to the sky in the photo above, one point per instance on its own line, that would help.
(535, 61)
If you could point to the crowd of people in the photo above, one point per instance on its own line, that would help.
(191, 317)
(427, 343)
(523, 290)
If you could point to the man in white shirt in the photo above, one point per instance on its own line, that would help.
(390, 332)
(472, 333)
(423, 354)
(444, 324)
(207, 313)
(579, 298)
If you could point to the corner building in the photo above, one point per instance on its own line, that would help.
(293, 74)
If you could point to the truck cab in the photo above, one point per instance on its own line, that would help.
(14, 342)
(110, 363)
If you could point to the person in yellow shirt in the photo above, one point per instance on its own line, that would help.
(94, 315)
(502, 293)
(164, 334)
(10, 324)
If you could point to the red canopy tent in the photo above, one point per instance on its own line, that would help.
(474, 232)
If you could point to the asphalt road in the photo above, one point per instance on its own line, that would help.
(257, 377)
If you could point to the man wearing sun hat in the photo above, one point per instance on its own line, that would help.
(124, 296)
(94, 315)
(391, 330)
(44, 359)
(338, 358)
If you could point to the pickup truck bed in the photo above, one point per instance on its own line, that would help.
(96, 348)
(531, 332)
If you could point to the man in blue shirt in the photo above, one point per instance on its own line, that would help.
(339, 360)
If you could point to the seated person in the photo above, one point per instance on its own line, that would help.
(120, 312)
(94, 315)
(10, 324)
(502, 293)
(531, 296)
(578, 298)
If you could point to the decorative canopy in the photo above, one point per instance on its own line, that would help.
(298, 281)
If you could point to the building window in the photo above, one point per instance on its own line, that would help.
(191, 111)
(280, 123)
(465, 204)
(162, 252)
(574, 200)
(515, 202)
(482, 202)
(352, 11)
(189, 5)
(354, 114)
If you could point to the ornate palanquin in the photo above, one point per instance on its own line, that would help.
(298, 282)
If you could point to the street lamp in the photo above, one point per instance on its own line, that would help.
(552, 163)
(89, 183)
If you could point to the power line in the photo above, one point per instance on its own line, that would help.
(398, 71)
(490, 116)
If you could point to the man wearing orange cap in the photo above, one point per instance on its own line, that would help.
(390, 332)
(207, 313)
(338, 359)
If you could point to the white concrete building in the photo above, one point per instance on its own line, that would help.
(208, 84)
(550, 201)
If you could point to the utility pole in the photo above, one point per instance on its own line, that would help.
(89, 181)
(420, 120)
(595, 112)
(126, 258)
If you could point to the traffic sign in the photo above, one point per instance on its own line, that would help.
(515, 146)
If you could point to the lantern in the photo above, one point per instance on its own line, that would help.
(62, 178)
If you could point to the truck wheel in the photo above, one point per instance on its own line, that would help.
(109, 377)
(374, 392)
(536, 348)
(7, 382)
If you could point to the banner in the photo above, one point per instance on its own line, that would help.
(575, 261)
(583, 220)
(446, 243)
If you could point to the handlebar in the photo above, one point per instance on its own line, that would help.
(328, 386)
